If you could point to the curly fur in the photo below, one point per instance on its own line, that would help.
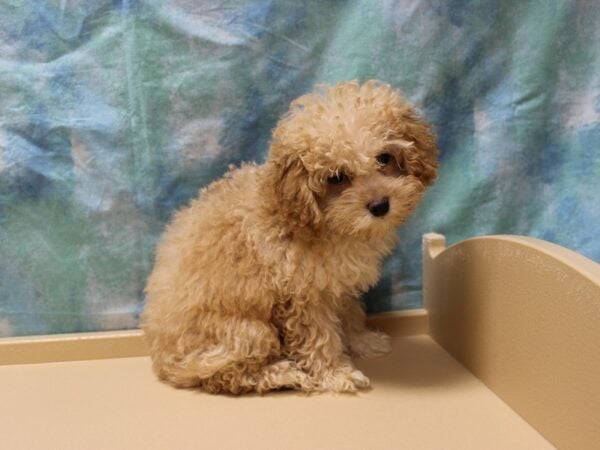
(256, 284)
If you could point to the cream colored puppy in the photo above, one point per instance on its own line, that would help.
(256, 284)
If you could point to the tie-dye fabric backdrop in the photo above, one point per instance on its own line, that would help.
(114, 113)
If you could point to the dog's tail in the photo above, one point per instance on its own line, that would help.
(189, 370)
(249, 342)
(201, 364)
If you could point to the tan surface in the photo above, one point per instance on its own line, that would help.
(128, 343)
(422, 399)
(524, 316)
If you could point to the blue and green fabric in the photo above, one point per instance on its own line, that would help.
(114, 113)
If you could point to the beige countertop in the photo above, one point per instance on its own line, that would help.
(421, 399)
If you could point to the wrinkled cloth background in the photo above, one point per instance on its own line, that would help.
(114, 113)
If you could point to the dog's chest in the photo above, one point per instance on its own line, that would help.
(332, 268)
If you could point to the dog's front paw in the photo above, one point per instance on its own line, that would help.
(344, 379)
(370, 344)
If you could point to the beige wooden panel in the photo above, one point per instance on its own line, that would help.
(72, 347)
(127, 343)
(524, 316)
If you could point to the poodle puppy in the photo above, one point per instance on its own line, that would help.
(256, 284)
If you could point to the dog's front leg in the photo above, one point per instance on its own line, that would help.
(360, 340)
(313, 339)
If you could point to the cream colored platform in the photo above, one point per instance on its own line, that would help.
(521, 315)
(421, 399)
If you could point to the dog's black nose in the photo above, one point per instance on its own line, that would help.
(379, 207)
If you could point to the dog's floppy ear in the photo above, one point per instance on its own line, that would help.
(294, 200)
(423, 160)
(402, 121)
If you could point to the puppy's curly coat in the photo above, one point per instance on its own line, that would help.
(256, 284)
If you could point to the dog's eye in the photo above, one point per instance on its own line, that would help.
(340, 178)
(384, 159)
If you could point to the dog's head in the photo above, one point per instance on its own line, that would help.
(351, 159)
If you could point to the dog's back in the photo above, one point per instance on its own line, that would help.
(206, 288)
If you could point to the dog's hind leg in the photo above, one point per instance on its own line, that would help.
(282, 375)
(218, 354)
(246, 377)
